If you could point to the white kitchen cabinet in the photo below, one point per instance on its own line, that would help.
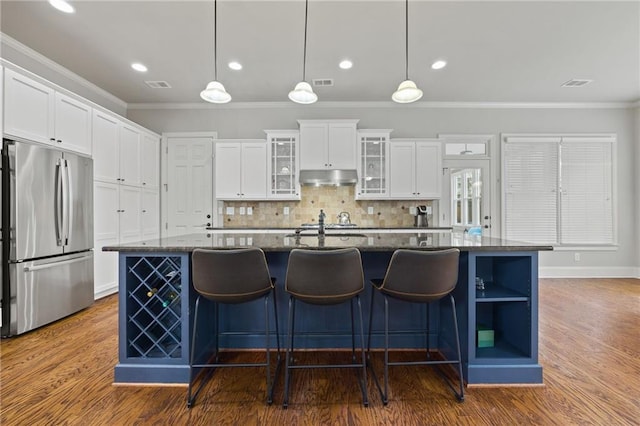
(72, 124)
(150, 214)
(150, 161)
(106, 231)
(106, 147)
(415, 169)
(129, 155)
(36, 112)
(1, 101)
(373, 165)
(327, 144)
(28, 108)
(241, 170)
(284, 161)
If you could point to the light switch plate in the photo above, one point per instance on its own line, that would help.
(370, 210)
(241, 210)
(285, 211)
(230, 211)
(249, 211)
(412, 211)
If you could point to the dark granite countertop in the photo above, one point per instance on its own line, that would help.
(360, 237)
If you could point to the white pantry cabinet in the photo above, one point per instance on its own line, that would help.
(327, 144)
(415, 168)
(36, 112)
(241, 170)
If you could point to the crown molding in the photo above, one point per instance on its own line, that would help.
(56, 67)
(429, 105)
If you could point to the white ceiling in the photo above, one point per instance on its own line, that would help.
(504, 51)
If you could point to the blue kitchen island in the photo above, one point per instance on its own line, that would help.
(498, 325)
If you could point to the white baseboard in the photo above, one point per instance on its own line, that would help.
(104, 291)
(588, 272)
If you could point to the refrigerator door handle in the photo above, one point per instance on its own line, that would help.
(68, 203)
(54, 264)
(58, 201)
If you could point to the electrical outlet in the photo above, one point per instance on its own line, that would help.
(370, 210)
(576, 257)
(230, 211)
(428, 209)
(249, 211)
(241, 210)
(285, 211)
(412, 211)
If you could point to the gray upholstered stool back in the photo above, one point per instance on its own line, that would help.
(324, 277)
(421, 276)
(230, 276)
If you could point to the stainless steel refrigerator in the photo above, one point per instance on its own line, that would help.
(47, 235)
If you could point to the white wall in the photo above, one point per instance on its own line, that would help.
(244, 121)
(637, 189)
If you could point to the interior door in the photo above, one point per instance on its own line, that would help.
(189, 184)
(466, 195)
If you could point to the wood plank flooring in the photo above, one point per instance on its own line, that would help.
(589, 347)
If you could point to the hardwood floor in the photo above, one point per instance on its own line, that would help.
(589, 348)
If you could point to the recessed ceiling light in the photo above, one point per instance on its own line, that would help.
(62, 6)
(139, 67)
(346, 64)
(237, 66)
(439, 64)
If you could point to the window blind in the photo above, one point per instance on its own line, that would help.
(530, 173)
(559, 190)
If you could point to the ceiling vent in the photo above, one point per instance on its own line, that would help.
(576, 83)
(322, 82)
(158, 84)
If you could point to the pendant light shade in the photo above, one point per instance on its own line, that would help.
(407, 90)
(215, 92)
(303, 93)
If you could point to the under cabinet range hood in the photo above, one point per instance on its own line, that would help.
(328, 177)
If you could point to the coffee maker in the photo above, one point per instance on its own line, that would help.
(420, 220)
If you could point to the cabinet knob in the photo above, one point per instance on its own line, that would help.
(52, 139)
(208, 223)
(208, 216)
(144, 183)
(59, 141)
(144, 211)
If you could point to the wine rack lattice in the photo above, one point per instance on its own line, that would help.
(154, 314)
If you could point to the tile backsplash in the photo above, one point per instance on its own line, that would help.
(333, 200)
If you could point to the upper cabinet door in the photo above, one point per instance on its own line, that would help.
(129, 156)
(342, 146)
(254, 170)
(428, 170)
(28, 108)
(314, 146)
(150, 159)
(106, 152)
(228, 171)
(72, 124)
(402, 165)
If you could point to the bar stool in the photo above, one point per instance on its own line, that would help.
(330, 277)
(231, 277)
(418, 277)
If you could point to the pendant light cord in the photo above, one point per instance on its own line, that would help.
(304, 55)
(215, 40)
(406, 39)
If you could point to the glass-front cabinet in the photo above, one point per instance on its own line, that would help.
(373, 170)
(283, 155)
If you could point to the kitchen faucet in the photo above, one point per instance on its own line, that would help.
(321, 222)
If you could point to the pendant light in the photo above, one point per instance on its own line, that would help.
(303, 93)
(407, 90)
(214, 91)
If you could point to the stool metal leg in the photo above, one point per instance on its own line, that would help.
(385, 396)
(289, 353)
(428, 331)
(460, 395)
(363, 384)
(190, 399)
(353, 334)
